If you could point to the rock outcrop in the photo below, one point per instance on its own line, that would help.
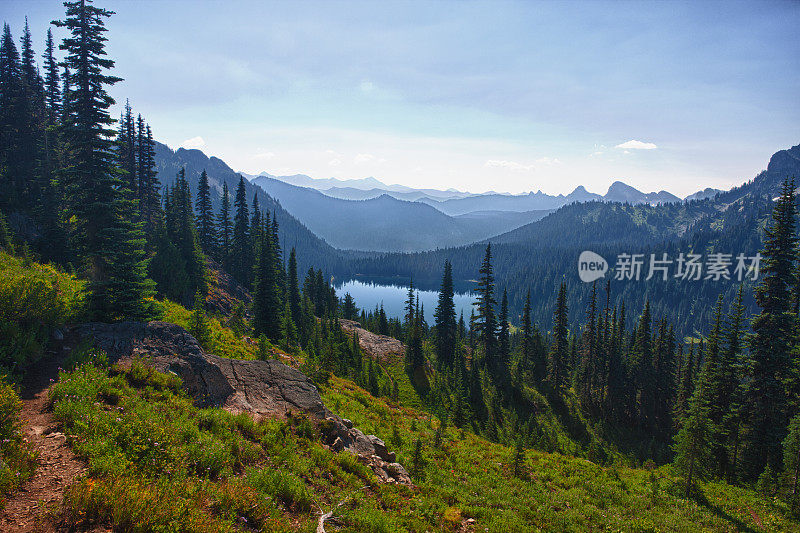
(379, 347)
(261, 388)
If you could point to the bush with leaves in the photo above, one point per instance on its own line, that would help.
(34, 298)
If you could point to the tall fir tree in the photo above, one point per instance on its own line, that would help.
(148, 184)
(772, 340)
(485, 318)
(95, 198)
(267, 305)
(12, 118)
(206, 229)
(241, 245)
(225, 229)
(445, 320)
(293, 292)
(557, 375)
(693, 444)
(126, 149)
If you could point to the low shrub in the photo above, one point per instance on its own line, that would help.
(17, 462)
(34, 298)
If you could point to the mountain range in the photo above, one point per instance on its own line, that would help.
(366, 234)
(453, 202)
(388, 224)
(540, 255)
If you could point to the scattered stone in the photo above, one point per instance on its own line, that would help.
(347, 423)
(399, 473)
(380, 447)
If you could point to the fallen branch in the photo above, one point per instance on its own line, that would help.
(327, 516)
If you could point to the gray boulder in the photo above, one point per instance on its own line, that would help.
(261, 388)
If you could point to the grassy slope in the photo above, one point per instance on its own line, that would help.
(471, 477)
(227, 472)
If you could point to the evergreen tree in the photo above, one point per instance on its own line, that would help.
(126, 149)
(12, 118)
(225, 229)
(29, 131)
(198, 324)
(445, 320)
(503, 336)
(52, 87)
(147, 177)
(293, 290)
(771, 342)
(415, 357)
(206, 229)
(729, 390)
(267, 305)
(559, 346)
(485, 320)
(791, 461)
(94, 196)
(349, 309)
(519, 457)
(693, 444)
(409, 306)
(642, 369)
(241, 247)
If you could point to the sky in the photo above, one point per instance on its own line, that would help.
(477, 96)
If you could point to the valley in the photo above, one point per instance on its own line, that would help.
(391, 347)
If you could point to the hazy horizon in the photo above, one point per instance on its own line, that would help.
(511, 96)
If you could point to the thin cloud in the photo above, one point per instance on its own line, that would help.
(194, 142)
(509, 165)
(364, 158)
(636, 145)
(264, 155)
(368, 158)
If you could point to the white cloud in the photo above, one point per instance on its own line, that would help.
(368, 158)
(548, 161)
(194, 142)
(335, 162)
(367, 86)
(510, 165)
(636, 145)
(264, 155)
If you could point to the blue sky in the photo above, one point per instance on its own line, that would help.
(509, 96)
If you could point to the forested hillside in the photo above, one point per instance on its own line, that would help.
(312, 250)
(541, 255)
(173, 356)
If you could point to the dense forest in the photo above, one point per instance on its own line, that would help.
(542, 255)
(703, 375)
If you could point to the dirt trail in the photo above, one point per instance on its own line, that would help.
(29, 509)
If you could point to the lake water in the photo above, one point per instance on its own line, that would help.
(368, 294)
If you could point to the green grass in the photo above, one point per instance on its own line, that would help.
(224, 342)
(157, 463)
(469, 477)
(17, 462)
